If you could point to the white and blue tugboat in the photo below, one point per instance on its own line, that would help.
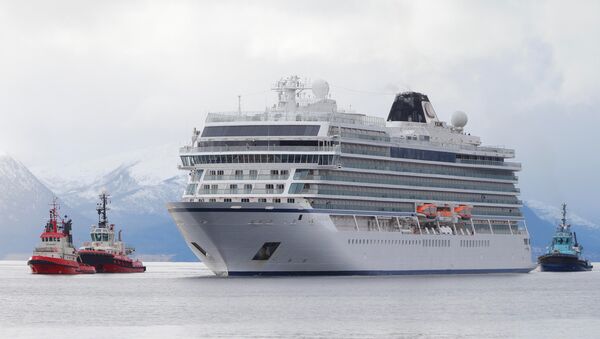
(564, 254)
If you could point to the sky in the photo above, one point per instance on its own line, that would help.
(80, 80)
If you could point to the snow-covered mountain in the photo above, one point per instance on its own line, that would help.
(140, 184)
(24, 205)
(553, 214)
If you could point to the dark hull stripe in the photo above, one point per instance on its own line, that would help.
(342, 273)
(565, 267)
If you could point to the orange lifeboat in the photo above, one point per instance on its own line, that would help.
(427, 210)
(463, 211)
(445, 214)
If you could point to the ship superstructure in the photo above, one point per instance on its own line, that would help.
(306, 188)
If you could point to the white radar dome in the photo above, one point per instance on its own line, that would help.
(320, 88)
(459, 119)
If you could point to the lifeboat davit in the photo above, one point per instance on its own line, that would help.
(463, 211)
(427, 211)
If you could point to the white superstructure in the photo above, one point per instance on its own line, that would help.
(305, 188)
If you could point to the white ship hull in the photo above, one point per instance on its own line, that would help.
(227, 239)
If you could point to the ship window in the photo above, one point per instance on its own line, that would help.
(291, 200)
(227, 200)
(212, 200)
(245, 200)
(262, 200)
(266, 251)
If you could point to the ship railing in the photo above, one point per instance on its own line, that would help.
(246, 177)
(386, 153)
(367, 180)
(240, 191)
(490, 163)
(428, 171)
(423, 226)
(500, 151)
(46, 249)
(250, 148)
(345, 118)
(398, 195)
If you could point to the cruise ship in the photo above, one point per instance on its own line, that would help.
(307, 188)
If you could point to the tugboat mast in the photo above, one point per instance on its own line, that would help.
(564, 215)
(53, 216)
(102, 208)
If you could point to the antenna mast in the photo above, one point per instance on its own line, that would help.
(54, 214)
(564, 215)
(101, 208)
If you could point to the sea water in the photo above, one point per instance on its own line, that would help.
(184, 300)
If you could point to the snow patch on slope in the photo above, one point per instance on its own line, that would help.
(140, 182)
(148, 166)
(553, 214)
(23, 205)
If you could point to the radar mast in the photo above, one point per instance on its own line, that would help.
(101, 207)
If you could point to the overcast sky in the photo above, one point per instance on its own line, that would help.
(85, 79)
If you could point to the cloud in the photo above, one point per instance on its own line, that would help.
(82, 79)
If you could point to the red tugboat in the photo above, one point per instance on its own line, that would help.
(104, 252)
(56, 254)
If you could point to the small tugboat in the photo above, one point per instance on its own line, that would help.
(564, 253)
(56, 254)
(104, 252)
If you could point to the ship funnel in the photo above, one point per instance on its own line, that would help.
(412, 107)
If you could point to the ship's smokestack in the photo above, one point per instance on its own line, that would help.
(67, 227)
(412, 107)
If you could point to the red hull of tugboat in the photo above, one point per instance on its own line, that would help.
(49, 265)
(109, 263)
(86, 269)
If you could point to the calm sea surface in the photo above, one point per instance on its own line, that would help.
(185, 300)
